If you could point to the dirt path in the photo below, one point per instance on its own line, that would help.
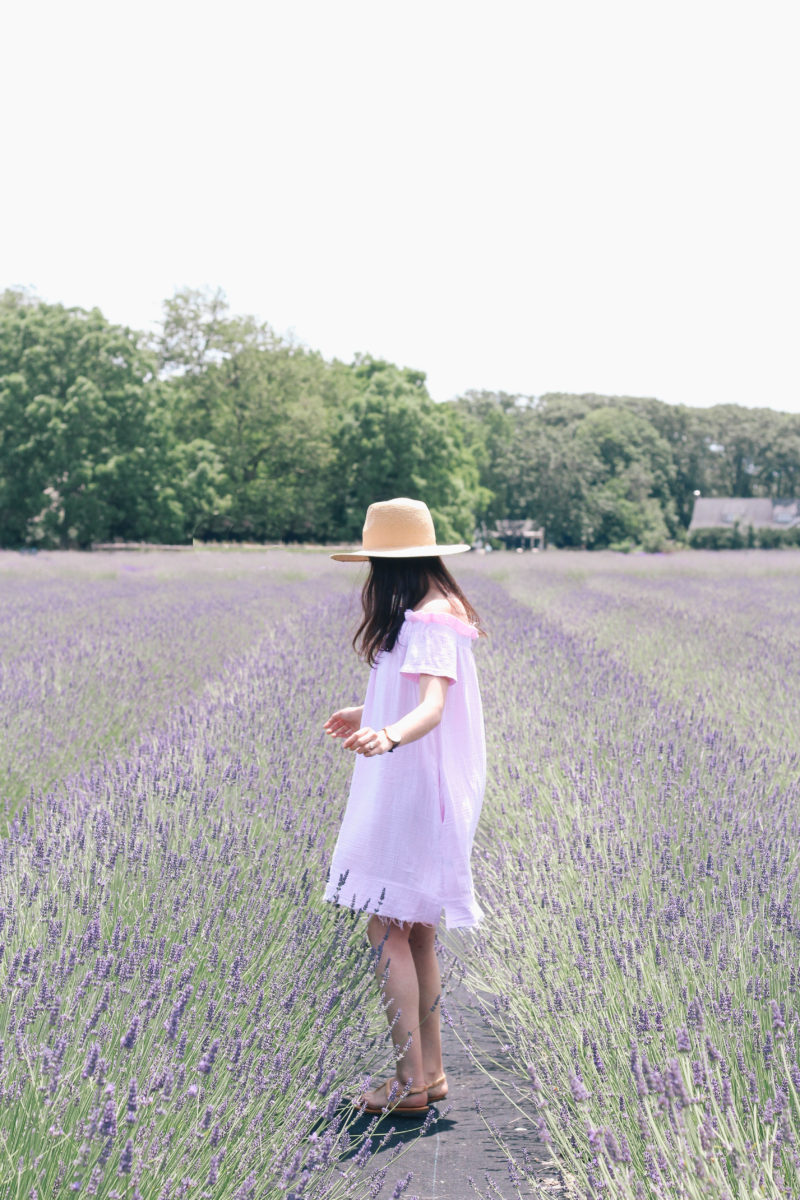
(458, 1144)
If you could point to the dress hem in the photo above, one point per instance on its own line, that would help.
(473, 919)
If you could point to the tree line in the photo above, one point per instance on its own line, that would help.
(216, 427)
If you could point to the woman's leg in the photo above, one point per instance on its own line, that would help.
(422, 944)
(402, 996)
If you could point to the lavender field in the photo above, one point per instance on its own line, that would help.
(180, 1015)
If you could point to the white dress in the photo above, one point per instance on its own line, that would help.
(404, 846)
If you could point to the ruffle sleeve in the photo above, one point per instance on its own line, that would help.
(431, 649)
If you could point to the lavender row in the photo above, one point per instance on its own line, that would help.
(99, 647)
(180, 1014)
(717, 625)
(639, 869)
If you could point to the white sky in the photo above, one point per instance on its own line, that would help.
(572, 195)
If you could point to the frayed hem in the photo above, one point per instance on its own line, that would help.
(402, 923)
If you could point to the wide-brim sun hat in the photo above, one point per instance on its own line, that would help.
(399, 528)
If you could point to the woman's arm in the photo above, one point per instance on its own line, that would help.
(414, 725)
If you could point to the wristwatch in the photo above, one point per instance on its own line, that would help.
(391, 739)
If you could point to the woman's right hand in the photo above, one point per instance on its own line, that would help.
(344, 722)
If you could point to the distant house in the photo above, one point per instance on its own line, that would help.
(517, 535)
(727, 511)
(785, 513)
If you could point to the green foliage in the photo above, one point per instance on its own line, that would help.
(736, 538)
(86, 453)
(775, 539)
(633, 472)
(217, 427)
(621, 471)
(306, 445)
(393, 440)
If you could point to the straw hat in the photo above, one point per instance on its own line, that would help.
(399, 528)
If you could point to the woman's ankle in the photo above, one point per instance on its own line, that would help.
(409, 1078)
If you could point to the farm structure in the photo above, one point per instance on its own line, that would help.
(520, 534)
(760, 512)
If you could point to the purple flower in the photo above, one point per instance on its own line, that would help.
(677, 1087)
(777, 1016)
(91, 1060)
(694, 1014)
(128, 1039)
(727, 1095)
(108, 1124)
(598, 1062)
(612, 1146)
(94, 1181)
(712, 1051)
(126, 1158)
(652, 1076)
(171, 1025)
(213, 1167)
(768, 1049)
(207, 1061)
(650, 1166)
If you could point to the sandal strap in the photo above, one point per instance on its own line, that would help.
(387, 1083)
(437, 1082)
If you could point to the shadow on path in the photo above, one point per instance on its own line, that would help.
(456, 1143)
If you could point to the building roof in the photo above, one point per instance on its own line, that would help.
(726, 511)
(510, 527)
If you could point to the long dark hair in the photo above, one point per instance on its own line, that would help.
(392, 586)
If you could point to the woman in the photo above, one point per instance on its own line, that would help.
(404, 847)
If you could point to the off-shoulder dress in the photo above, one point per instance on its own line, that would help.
(406, 837)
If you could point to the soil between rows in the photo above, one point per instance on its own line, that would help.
(458, 1146)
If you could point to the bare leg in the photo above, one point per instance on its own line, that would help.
(422, 944)
(402, 996)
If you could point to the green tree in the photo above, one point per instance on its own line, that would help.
(198, 331)
(631, 493)
(779, 461)
(563, 472)
(490, 424)
(85, 452)
(219, 427)
(394, 441)
(750, 451)
(267, 407)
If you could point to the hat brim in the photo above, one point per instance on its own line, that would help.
(405, 552)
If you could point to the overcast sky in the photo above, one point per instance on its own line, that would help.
(572, 196)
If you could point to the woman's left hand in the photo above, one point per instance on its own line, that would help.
(368, 742)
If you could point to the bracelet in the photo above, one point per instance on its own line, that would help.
(391, 739)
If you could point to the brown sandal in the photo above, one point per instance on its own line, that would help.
(437, 1089)
(395, 1108)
